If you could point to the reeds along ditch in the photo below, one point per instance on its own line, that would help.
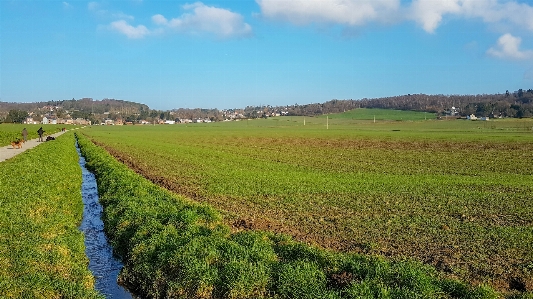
(175, 248)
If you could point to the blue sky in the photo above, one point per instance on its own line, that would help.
(231, 54)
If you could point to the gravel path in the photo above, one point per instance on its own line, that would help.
(7, 152)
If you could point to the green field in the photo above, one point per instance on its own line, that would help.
(382, 115)
(42, 252)
(173, 247)
(452, 194)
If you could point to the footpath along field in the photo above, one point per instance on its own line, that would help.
(13, 132)
(42, 252)
(453, 194)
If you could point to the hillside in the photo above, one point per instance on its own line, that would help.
(518, 104)
(86, 108)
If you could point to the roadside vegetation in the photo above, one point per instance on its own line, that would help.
(173, 247)
(452, 194)
(13, 132)
(42, 252)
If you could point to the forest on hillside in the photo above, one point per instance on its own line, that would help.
(84, 104)
(517, 104)
(85, 108)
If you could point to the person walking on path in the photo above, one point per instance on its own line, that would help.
(40, 132)
(24, 134)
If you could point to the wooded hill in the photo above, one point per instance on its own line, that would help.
(517, 104)
(86, 108)
(85, 104)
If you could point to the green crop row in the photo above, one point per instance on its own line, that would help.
(42, 252)
(175, 248)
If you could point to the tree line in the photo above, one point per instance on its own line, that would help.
(517, 104)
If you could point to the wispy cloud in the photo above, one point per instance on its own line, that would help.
(508, 47)
(121, 15)
(98, 9)
(201, 19)
(66, 5)
(130, 31)
(93, 6)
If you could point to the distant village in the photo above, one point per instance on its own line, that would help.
(172, 117)
(169, 117)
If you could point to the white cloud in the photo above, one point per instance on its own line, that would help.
(129, 30)
(346, 12)
(159, 20)
(66, 5)
(508, 47)
(429, 14)
(207, 19)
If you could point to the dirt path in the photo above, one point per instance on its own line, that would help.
(7, 152)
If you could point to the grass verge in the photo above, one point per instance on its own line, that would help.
(42, 252)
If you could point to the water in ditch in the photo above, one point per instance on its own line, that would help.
(104, 266)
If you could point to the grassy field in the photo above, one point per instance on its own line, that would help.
(42, 252)
(453, 194)
(173, 247)
(382, 114)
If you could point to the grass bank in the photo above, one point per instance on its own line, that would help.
(42, 252)
(175, 248)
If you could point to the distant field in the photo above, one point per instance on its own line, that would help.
(383, 114)
(454, 194)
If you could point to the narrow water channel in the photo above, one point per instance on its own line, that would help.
(104, 266)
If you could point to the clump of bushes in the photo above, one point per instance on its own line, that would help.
(172, 247)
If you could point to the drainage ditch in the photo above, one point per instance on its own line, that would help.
(104, 266)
